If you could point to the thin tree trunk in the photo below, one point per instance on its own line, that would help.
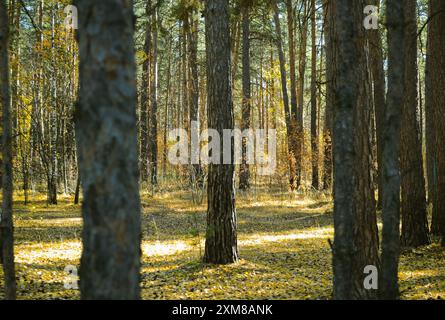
(294, 138)
(145, 98)
(330, 25)
(153, 122)
(391, 150)
(197, 174)
(285, 96)
(379, 84)
(301, 84)
(244, 182)
(314, 110)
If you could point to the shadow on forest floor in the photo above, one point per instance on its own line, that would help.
(282, 242)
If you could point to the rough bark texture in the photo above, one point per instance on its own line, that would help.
(107, 147)
(346, 92)
(356, 234)
(293, 139)
(283, 78)
(314, 106)
(436, 86)
(244, 183)
(153, 114)
(145, 98)
(331, 40)
(379, 95)
(221, 238)
(366, 241)
(303, 18)
(6, 222)
(197, 174)
(414, 214)
(389, 288)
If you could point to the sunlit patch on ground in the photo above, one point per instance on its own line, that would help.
(282, 241)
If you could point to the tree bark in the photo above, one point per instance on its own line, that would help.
(346, 94)
(244, 182)
(304, 26)
(153, 114)
(331, 43)
(145, 98)
(221, 236)
(107, 148)
(314, 107)
(413, 206)
(389, 288)
(436, 86)
(283, 77)
(366, 240)
(6, 222)
(294, 138)
(379, 95)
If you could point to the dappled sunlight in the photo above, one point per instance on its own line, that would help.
(284, 253)
(321, 233)
(69, 250)
(164, 248)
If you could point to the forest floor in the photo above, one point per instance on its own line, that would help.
(283, 244)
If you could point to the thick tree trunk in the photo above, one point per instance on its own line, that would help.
(6, 219)
(366, 240)
(436, 86)
(244, 182)
(356, 248)
(221, 236)
(413, 207)
(107, 147)
(346, 94)
(389, 288)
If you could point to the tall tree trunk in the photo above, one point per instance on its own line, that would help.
(379, 95)
(294, 138)
(221, 236)
(304, 26)
(346, 95)
(356, 248)
(145, 98)
(244, 182)
(197, 174)
(314, 109)
(6, 222)
(107, 147)
(366, 240)
(436, 88)
(389, 288)
(413, 206)
(153, 115)
(168, 103)
(283, 77)
(331, 44)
